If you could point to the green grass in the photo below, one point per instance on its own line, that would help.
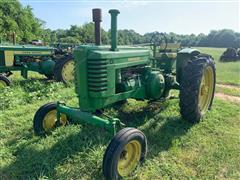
(234, 91)
(177, 149)
(227, 73)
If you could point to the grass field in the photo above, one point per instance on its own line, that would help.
(227, 73)
(177, 149)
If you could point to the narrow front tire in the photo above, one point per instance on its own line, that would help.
(126, 150)
(45, 119)
(4, 81)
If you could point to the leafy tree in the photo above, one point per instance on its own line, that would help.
(18, 19)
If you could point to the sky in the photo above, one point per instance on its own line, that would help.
(179, 16)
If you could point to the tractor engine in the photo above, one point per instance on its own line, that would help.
(138, 76)
(129, 78)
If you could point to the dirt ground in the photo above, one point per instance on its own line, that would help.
(226, 97)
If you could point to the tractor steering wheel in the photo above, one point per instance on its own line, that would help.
(157, 39)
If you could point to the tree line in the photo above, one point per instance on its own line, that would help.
(21, 20)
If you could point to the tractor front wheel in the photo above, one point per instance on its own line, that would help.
(197, 88)
(127, 149)
(4, 81)
(45, 119)
(64, 69)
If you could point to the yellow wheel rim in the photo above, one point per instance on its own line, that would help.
(50, 119)
(67, 71)
(129, 158)
(206, 89)
(2, 84)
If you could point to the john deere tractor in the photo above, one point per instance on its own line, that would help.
(105, 75)
(231, 54)
(41, 59)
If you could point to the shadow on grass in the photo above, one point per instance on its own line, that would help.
(31, 80)
(34, 160)
(162, 132)
(33, 163)
(138, 116)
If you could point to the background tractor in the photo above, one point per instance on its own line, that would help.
(231, 54)
(45, 60)
(106, 75)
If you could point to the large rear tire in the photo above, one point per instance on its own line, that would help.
(127, 149)
(4, 81)
(64, 69)
(197, 88)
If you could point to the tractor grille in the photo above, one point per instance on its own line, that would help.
(97, 75)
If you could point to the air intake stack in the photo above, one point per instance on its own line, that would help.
(114, 38)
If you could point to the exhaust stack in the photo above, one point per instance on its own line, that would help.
(97, 19)
(114, 38)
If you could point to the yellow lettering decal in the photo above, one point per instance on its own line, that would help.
(9, 58)
(134, 59)
(31, 52)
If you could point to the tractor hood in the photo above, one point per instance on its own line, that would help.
(24, 48)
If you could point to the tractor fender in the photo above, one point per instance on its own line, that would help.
(189, 51)
(183, 56)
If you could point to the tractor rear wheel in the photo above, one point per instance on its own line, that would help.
(64, 69)
(197, 88)
(45, 119)
(127, 149)
(4, 81)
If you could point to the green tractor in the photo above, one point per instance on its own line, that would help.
(106, 75)
(44, 60)
(230, 55)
